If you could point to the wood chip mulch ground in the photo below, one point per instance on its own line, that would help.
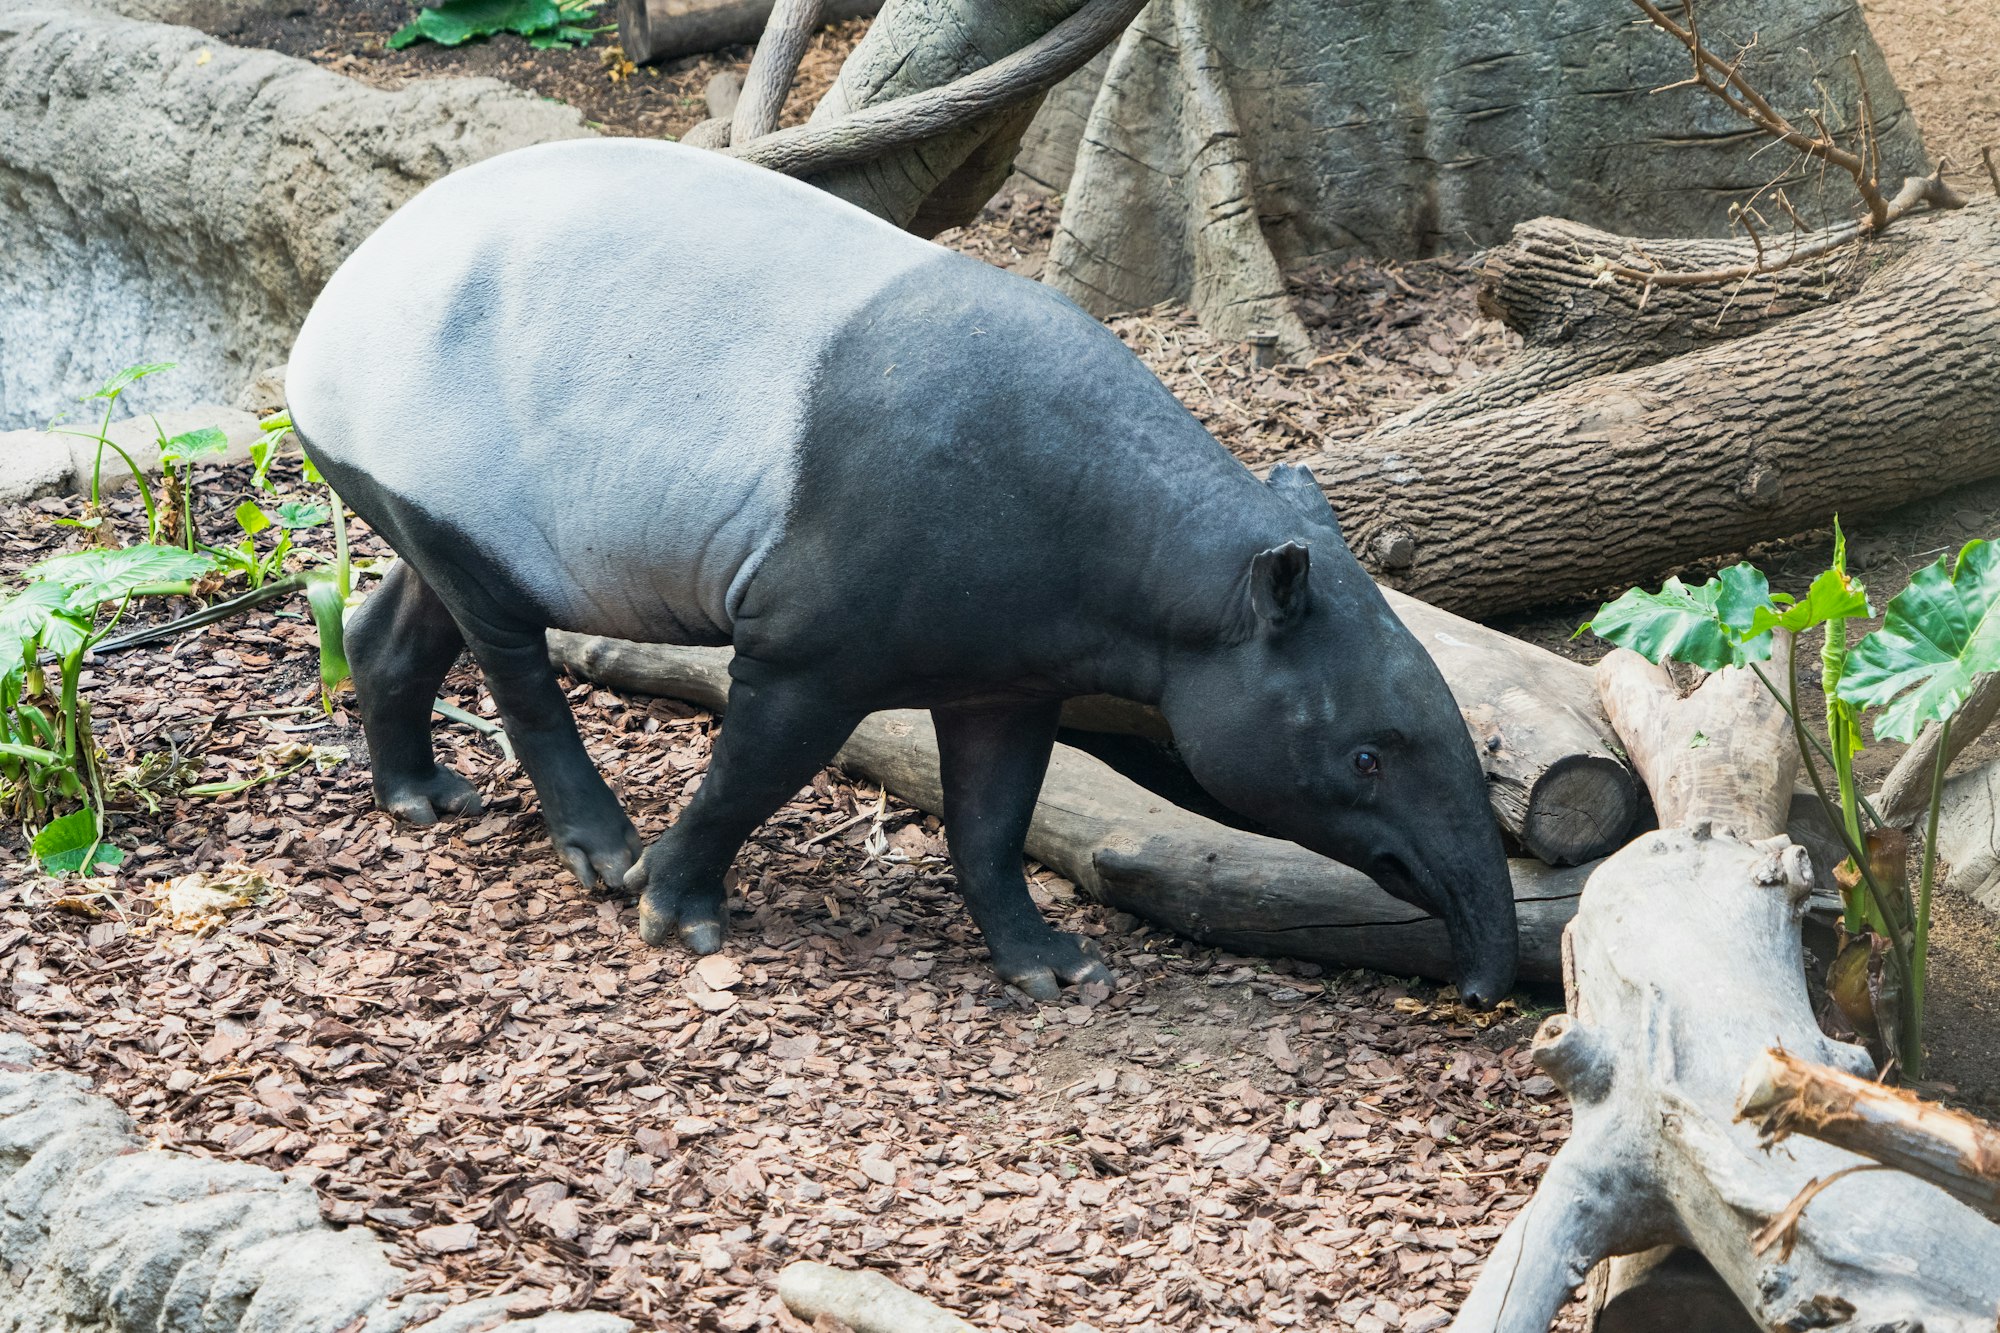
(467, 1054)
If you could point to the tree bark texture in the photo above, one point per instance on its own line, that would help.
(1123, 846)
(1544, 283)
(652, 30)
(1682, 967)
(1887, 396)
(915, 45)
(1412, 127)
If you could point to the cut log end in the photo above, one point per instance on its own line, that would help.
(1580, 805)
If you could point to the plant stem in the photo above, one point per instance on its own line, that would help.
(342, 576)
(1806, 738)
(1913, 1011)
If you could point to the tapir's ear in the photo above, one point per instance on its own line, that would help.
(1294, 481)
(1279, 589)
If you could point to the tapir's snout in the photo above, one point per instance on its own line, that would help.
(1470, 890)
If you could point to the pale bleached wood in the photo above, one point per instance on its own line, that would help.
(862, 1300)
(1785, 1095)
(1682, 967)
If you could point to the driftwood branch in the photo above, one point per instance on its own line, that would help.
(1123, 846)
(875, 130)
(1785, 1095)
(1682, 967)
(773, 67)
(862, 1300)
(653, 30)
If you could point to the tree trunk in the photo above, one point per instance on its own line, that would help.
(651, 30)
(1682, 967)
(919, 44)
(1887, 396)
(1125, 847)
(1410, 127)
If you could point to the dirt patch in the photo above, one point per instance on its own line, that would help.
(658, 101)
(1945, 55)
(473, 1058)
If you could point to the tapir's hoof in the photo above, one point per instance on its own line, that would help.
(700, 928)
(1045, 968)
(420, 800)
(600, 852)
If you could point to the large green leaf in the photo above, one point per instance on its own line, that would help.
(127, 377)
(1936, 635)
(63, 844)
(329, 611)
(208, 442)
(1710, 626)
(105, 576)
(457, 21)
(24, 618)
(301, 514)
(1833, 596)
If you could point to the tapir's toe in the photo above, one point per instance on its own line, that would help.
(420, 800)
(701, 937)
(1059, 961)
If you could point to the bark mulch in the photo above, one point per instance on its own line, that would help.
(470, 1056)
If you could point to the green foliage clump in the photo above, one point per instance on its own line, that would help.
(544, 23)
(1937, 635)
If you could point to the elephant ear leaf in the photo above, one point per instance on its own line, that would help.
(1712, 626)
(1936, 636)
(99, 575)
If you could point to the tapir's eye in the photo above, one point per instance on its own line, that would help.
(1367, 763)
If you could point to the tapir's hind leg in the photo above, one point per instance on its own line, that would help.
(992, 761)
(586, 823)
(776, 735)
(400, 644)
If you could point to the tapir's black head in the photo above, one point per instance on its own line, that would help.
(1319, 715)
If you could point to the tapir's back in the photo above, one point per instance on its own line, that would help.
(594, 356)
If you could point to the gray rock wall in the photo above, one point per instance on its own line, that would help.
(1415, 127)
(98, 1234)
(167, 197)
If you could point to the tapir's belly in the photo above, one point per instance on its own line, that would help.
(588, 367)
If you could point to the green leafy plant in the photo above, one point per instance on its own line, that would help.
(544, 23)
(283, 520)
(177, 459)
(48, 756)
(1937, 635)
(109, 393)
(328, 591)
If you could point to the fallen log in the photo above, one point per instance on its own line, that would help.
(1682, 967)
(1546, 283)
(654, 30)
(1785, 1095)
(1123, 846)
(1853, 406)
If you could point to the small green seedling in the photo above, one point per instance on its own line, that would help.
(177, 459)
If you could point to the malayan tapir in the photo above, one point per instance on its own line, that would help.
(636, 389)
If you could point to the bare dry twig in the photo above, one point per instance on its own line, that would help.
(1725, 80)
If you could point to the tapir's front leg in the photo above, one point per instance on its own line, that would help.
(589, 828)
(992, 762)
(776, 733)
